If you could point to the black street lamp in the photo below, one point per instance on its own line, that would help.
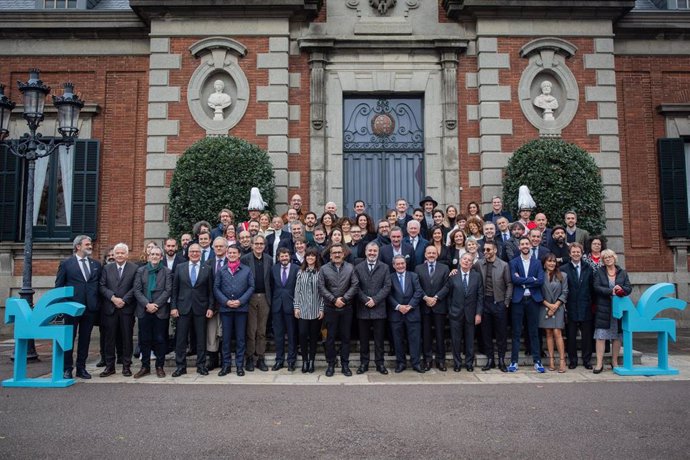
(32, 146)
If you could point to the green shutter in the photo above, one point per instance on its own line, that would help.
(673, 184)
(85, 188)
(10, 194)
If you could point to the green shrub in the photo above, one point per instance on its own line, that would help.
(217, 173)
(561, 177)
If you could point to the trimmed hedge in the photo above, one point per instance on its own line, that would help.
(217, 173)
(561, 177)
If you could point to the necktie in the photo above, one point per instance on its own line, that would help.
(119, 272)
(401, 277)
(204, 255)
(87, 272)
(283, 277)
(534, 253)
(219, 265)
(464, 281)
(577, 267)
(371, 268)
(505, 237)
(414, 243)
(432, 267)
(192, 276)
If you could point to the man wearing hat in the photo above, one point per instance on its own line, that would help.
(255, 208)
(428, 204)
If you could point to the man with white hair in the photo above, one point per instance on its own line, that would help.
(117, 310)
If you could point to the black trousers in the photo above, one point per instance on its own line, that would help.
(153, 333)
(338, 324)
(118, 339)
(587, 331)
(438, 322)
(494, 321)
(365, 328)
(186, 324)
(309, 333)
(458, 328)
(117, 328)
(82, 325)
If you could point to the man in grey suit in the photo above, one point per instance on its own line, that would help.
(433, 277)
(192, 302)
(117, 310)
(374, 286)
(465, 309)
(498, 290)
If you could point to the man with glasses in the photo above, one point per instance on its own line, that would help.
(259, 304)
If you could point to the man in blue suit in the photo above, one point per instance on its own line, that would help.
(82, 273)
(404, 314)
(283, 281)
(398, 247)
(527, 276)
(415, 240)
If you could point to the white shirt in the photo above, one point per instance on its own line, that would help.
(525, 266)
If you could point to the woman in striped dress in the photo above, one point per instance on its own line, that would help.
(308, 308)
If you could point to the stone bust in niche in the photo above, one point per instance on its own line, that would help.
(545, 101)
(218, 100)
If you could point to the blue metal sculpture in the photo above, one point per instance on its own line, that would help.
(34, 324)
(641, 319)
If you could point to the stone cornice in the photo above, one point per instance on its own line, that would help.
(674, 109)
(638, 24)
(378, 42)
(72, 24)
(153, 9)
(539, 9)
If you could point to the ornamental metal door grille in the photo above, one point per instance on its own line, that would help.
(383, 152)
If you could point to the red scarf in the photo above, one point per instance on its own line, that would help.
(234, 266)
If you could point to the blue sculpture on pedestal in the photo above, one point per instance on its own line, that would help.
(34, 324)
(641, 319)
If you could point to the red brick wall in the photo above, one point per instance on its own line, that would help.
(645, 82)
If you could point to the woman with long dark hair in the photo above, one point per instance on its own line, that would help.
(552, 317)
(308, 308)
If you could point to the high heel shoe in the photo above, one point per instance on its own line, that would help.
(552, 367)
(598, 371)
(561, 368)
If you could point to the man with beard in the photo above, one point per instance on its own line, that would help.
(558, 246)
(383, 233)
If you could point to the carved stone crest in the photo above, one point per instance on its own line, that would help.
(382, 6)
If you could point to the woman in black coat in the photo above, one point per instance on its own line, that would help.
(610, 280)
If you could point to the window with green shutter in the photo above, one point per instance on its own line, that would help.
(673, 179)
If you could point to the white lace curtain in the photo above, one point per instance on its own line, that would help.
(66, 161)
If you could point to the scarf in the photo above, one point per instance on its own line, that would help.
(234, 266)
(153, 274)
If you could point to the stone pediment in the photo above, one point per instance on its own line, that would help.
(546, 9)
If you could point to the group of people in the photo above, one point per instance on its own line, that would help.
(403, 280)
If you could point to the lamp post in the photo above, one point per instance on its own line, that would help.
(32, 146)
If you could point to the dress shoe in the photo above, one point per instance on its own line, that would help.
(261, 365)
(470, 368)
(502, 366)
(202, 370)
(456, 368)
(427, 366)
(346, 370)
(250, 365)
(305, 366)
(82, 374)
(67, 374)
(489, 365)
(311, 366)
(362, 369)
(588, 367)
(240, 372)
(160, 372)
(107, 372)
(441, 366)
(142, 372)
(399, 368)
(330, 370)
(101, 363)
(225, 370)
(382, 370)
(419, 369)
(572, 365)
(278, 366)
(178, 372)
(212, 360)
(126, 371)
(291, 367)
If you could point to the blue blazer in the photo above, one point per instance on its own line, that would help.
(283, 297)
(85, 292)
(411, 296)
(419, 252)
(239, 286)
(532, 280)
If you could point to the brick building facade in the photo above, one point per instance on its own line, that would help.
(621, 70)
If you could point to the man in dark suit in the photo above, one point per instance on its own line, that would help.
(537, 250)
(192, 302)
(541, 221)
(498, 290)
(283, 281)
(465, 307)
(415, 240)
(117, 308)
(497, 211)
(490, 235)
(374, 286)
(511, 248)
(433, 277)
(82, 273)
(558, 246)
(398, 247)
(527, 276)
(404, 315)
(579, 302)
(260, 264)
(402, 216)
(428, 205)
(216, 262)
(172, 257)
